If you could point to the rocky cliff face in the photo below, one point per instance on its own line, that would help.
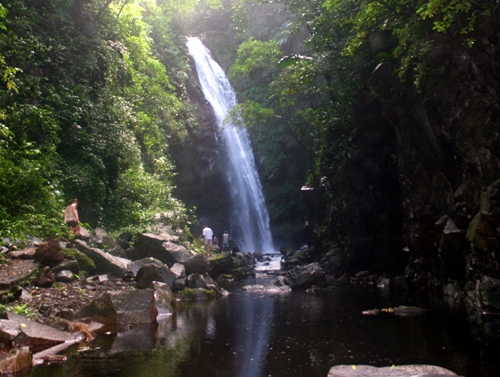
(200, 178)
(419, 191)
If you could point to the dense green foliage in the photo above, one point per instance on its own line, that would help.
(390, 105)
(93, 96)
(388, 109)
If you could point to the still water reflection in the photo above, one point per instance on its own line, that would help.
(256, 334)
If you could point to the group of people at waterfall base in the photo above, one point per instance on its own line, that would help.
(209, 239)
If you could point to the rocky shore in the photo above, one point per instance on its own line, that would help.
(57, 293)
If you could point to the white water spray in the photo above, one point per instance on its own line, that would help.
(249, 216)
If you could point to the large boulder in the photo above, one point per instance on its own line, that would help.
(197, 264)
(19, 328)
(122, 307)
(204, 281)
(15, 360)
(165, 298)
(104, 241)
(161, 248)
(49, 253)
(85, 263)
(104, 262)
(221, 264)
(304, 277)
(393, 371)
(152, 270)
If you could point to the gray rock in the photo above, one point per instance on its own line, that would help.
(153, 270)
(179, 270)
(122, 307)
(179, 284)
(104, 262)
(394, 371)
(68, 265)
(304, 277)
(65, 276)
(34, 333)
(204, 282)
(197, 264)
(165, 298)
(9, 330)
(161, 248)
(104, 241)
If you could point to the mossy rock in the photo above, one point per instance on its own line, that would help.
(238, 273)
(188, 294)
(86, 264)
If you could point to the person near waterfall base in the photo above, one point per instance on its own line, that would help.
(207, 236)
(71, 217)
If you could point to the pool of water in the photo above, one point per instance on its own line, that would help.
(291, 334)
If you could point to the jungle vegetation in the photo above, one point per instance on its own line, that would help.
(379, 105)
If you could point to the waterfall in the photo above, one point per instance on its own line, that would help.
(249, 217)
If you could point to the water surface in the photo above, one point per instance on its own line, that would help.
(286, 334)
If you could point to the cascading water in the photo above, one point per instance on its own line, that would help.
(249, 216)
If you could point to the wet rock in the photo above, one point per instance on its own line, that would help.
(35, 334)
(162, 248)
(102, 240)
(165, 298)
(280, 281)
(122, 307)
(394, 371)
(221, 264)
(104, 262)
(49, 253)
(17, 359)
(303, 277)
(153, 270)
(204, 282)
(489, 292)
(257, 255)
(383, 282)
(45, 277)
(266, 288)
(180, 284)
(65, 276)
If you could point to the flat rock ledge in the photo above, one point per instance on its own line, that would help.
(394, 371)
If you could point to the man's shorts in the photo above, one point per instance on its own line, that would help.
(208, 242)
(72, 223)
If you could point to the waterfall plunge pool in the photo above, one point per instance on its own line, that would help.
(292, 334)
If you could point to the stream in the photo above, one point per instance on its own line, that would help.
(262, 334)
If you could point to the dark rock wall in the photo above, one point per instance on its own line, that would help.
(200, 168)
(418, 191)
